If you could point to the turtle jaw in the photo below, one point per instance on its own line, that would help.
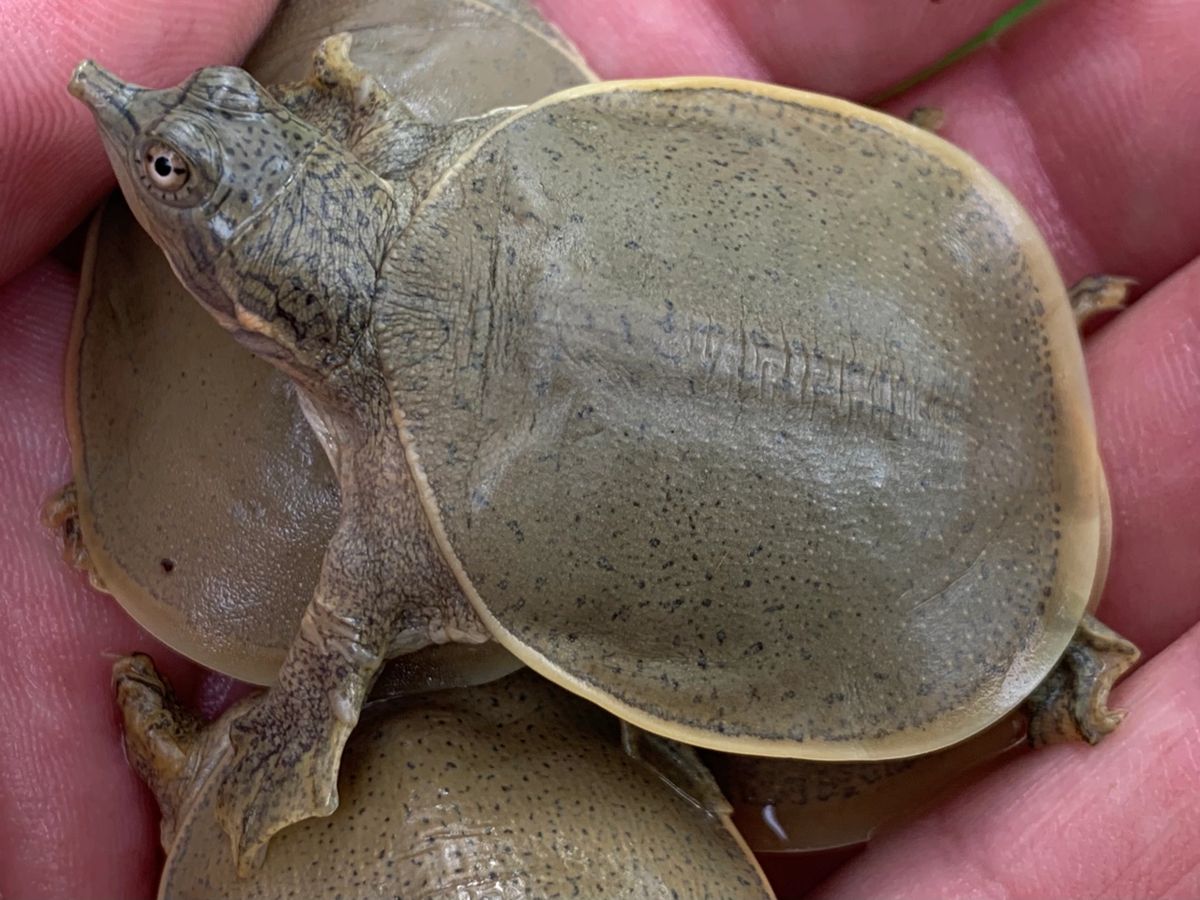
(110, 100)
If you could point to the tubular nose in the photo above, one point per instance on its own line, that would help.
(99, 88)
(110, 99)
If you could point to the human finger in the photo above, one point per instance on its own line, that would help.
(843, 47)
(1144, 369)
(51, 164)
(74, 819)
(1090, 113)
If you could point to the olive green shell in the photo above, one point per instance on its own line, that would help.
(442, 58)
(205, 502)
(758, 417)
(511, 790)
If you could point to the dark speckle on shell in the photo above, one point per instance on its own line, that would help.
(757, 417)
(510, 790)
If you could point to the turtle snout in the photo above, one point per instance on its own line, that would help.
(96, 86)
(108, 96)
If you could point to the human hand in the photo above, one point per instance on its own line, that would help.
(1089, 112)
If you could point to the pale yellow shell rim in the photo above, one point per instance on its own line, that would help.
(163, 621)
(1081, 553)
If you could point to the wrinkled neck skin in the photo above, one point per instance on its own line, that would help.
(303, 277)
(350, 414)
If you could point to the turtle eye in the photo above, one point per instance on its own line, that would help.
(165, 168)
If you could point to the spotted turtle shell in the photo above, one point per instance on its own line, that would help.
(758, 417)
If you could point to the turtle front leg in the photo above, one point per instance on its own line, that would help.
(287, 745)
(382, 587)
(1072, 703)
(1097, 294)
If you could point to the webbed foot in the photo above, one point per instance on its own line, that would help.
(284, 770)
(1072, 703)
(160, 738)
(1096, 294)
(344, 100)
(332, 68)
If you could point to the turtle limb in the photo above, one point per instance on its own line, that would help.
(373, 596)
(167, 745)
(349, 104)
(679, 765)
(287, 745)
(1072, 703)
(60, 514)
(930, 118)
(367, 102)
(1096, 294)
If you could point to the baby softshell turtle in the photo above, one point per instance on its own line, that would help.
(202, 499)
(757, 417)
(515, 789)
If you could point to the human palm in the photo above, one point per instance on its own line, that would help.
(1089, 111)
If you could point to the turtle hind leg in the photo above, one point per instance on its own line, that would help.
(161, 737)
(1072, 703)
(1097, 294)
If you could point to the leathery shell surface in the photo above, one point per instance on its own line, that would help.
(510, 790)
(758, 417)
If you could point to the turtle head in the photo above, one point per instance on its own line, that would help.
(196, 163)
(254, 220)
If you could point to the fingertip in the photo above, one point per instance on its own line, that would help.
(53, 168)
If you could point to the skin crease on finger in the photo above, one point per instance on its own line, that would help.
(1018, 107)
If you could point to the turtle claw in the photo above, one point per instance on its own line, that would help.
(283, 771)
(1098, 294)
(60, 513)
(1072, 703)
